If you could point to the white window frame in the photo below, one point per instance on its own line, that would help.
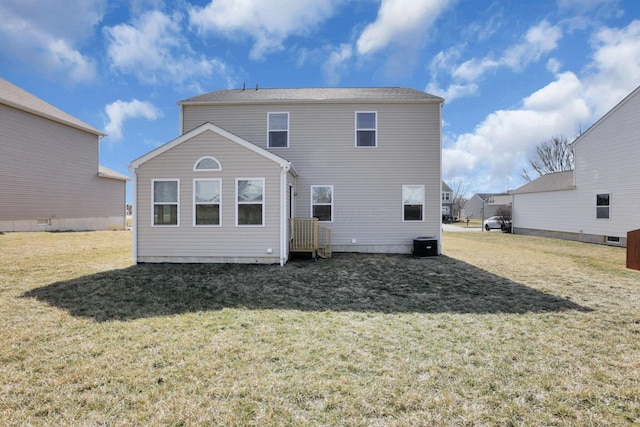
(375, 129)
(446, 196)
(422, 204)
(195, 203)
(604, 206)
(269, 130)
(154, 203)
(264, 195)
(311, 204)
(195, 165)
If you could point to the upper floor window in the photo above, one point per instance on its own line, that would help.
(250, 201)
(446, 196)
(322, 202)
(603, 204)
(278, 130)
(412, 202)
(207, 164)
(366, 129)
(165, 201)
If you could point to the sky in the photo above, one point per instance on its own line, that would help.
(513, 73)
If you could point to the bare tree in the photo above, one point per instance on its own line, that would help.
(504, 212)
(460, 189)
(553, 155)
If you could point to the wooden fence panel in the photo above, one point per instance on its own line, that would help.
(633, 249)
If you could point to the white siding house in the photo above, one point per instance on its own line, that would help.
(366, 162)
(50, 178)
(598, 202)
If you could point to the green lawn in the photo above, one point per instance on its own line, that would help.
(500, 330)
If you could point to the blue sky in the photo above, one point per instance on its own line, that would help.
(513, 72)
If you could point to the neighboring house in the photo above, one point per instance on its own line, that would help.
(485, 205)
(49, 173)
(447, 203)
(598, 202)
(364, 161)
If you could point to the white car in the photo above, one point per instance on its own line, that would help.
(492, 223)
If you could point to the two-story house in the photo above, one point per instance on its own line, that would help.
(599, 201)
(447, 203)
(364, 161)
(50, 178)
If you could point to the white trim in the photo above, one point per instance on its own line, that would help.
(375, 129)
(194, 203)
(276, 130)
(153, 203)
(311, 204)
(608, 193)
(207, 170)
(212, 128)
(423, 203)
(134, 215)
(264, 204)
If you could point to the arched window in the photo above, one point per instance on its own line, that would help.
(207, 164)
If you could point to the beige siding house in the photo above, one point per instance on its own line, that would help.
(365, 162)
(598, 202)
(50, 178)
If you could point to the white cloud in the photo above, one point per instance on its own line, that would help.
(120, 111)
(454, 91)
(335, 65)
(499, 146)
(615, 66)
(45, 36)
(538, 41)
(399, 18)
(154, 50)
(495, 149)
(268, 23)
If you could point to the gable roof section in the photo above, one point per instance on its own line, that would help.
(212, 128)
(634, 93)
(378, 94)
(105, 172)
(445, 187)
(550, 182)
(18, 98)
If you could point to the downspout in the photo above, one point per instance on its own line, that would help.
(440, 194)
(134, 214)
(283, 213)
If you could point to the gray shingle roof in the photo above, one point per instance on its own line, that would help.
(252, 95)
(549, 182)
(18, 98)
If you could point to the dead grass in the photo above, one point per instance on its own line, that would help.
(502, 330)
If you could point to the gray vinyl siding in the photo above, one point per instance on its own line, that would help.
(367, 181)
(50, 170)
(606, 161)
(227, 242)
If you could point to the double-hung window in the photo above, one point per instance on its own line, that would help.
(412, 202)
(207, 199)
(278, 130)
(603, 204)
(250, 202)
(366, 129)
(166, 197)
(322, 202)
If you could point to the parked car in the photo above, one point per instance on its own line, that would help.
(496, 223)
